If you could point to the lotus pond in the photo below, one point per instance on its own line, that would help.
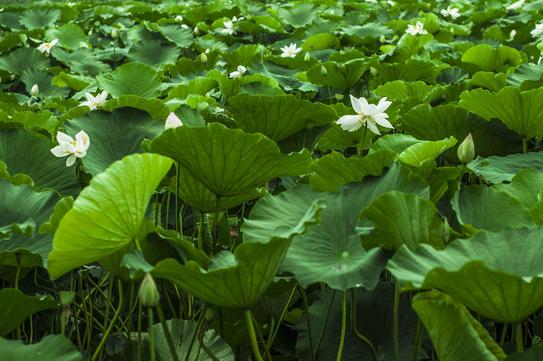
(235, 180)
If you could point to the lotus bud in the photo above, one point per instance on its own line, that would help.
(339, 96)
(203, 58)
(466, 150)
(373, 71)
(114, 34)
(307, 57)
(35, 90)
(148, 292)
(324, 71)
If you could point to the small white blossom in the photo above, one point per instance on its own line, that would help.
(47, 47)
(238, 73)
(184, 26)
(228, 28)
(179, 18)
(290, 51)
(34, 90)
(236, 19)
(94, 102)
(416, 29)
(538, 30)
(172, 121)
(451, 12)
(512, 35)
(71, 148)
(516, 5)
(368, 115)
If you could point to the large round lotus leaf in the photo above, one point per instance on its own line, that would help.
(238, 279)
(131, 79)
(153, 53)
(331, 252)
(154, 107)
(113, 135)
(298, 16)
(498, 275)
(181, 37)
(524, 187)
(108, 214)
(411, 150)
(502, 169)
(374, 319)
(183, 331)
(278, 117)
(488, 58)
(455, 333)
(435, 123)
(519, 111)
(25, 250)
(228, 161)
(410, 70)
(337, 75)
(488, 208)
(402, 218)
(69, 36)
(22, 59)
(15, 307)
(81, 61)
(333, 170)
(533, 354)
(46, 170)
(50, 348)
(526, 76)
(39, 18)
(198, 196)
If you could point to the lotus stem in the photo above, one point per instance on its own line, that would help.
(112, 322)
(252, 335)
(395, 325)
(343, 326)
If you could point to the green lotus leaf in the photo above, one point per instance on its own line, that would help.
(36, 121)
(489, 80)
(181, 37)
(227, 161)
(338, 75)
(183, 331)
(113, 135)
(435, 123)
(298, 16)
(22, 59)
(75, 82)
(489, 58)
(15, 307)
(153, 53)
(334, 170)
(533, 354)
(69, 36)
(521, 112)
(39, 18)
(524, 187)
(501, 210)
(503, 169)
(498, 275)
(411, 150)
(278, 117)
(199, 85)
(108, 214)
(238, 279)
(131, 79)
(455, 333)
(402, 219)
(154, 107)
(372, 308)
(399, 90)
(322, 41)
(410, 70)
(527, 76)
(50, 348)
(45, 170)
(81, 61)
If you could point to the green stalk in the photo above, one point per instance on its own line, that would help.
(252, 335)
(524, 145)
(198, 326)
(177, 197)
(354, 327)
(519, 338)
(324, 325)
(343, 326)
(169, 338)
(283, 314)
(395, 321)
(152, 351)
(140, 311)
(306, 308)
(115, 317)
(418, 341)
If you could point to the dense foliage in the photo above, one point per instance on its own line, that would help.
(293, 180)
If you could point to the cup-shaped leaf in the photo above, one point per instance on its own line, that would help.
(498, 275)
(108, 214)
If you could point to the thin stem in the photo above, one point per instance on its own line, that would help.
(324, 325)
(504, 333)
(152, 351)
(283, 314)
(524, 145)
(252, 335)
(395, 321)
(169, 338)
(306, 308)
(418, 341)
(140, 311)
(177, 213)
(115, 317)
(519, 337)
(354, 327)
(200, 235)
(343, 326)
(196, 331)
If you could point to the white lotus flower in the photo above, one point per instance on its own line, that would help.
(238, 73)
(34, 90)
(70, 147)
(228, 28)
(368, 115)
(416, 29)
(179, 18)
(512, 35)
(290, 51)
(94, 102)
(451, 12)
(172, 121)
(235, 19)
(184, 26)
(47, 47)
(516, 5)
(538, 30)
